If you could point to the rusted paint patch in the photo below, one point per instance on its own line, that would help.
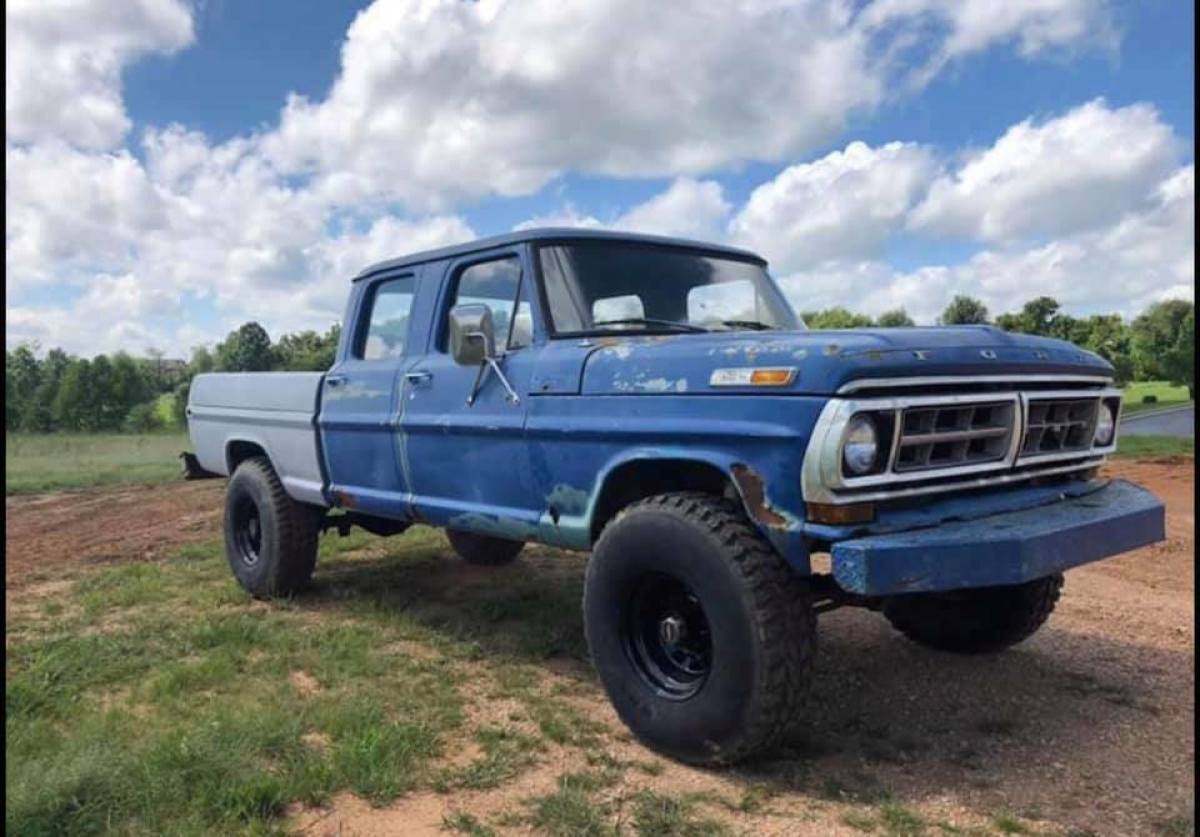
(750, 483)
(344, 499)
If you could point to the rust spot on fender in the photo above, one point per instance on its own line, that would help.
(345, 499)
(750, 483)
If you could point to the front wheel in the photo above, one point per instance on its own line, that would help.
(975, 621)
(270, 539)
(702, 636)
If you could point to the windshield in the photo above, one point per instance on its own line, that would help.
(597, 287)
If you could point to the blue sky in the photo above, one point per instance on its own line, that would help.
(880, 154)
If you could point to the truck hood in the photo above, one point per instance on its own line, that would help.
(824, 360)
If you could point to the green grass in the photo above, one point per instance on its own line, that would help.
(155, 698)
(1133, 446)
(1176, 827)
(1009, 824)
(657, 815)
(49, 462)
(1166, 395)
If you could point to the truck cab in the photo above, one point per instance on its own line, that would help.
(658, 403)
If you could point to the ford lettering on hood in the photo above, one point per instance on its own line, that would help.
(824, 361)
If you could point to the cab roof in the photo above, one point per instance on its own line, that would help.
(550, 234)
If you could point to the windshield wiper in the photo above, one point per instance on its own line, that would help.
(653, 322)
(754, 325)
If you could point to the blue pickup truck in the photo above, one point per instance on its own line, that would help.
(658, 403)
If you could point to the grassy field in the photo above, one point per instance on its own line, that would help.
(1155, 446)
(159, 698)
(36, 462)
(1166, 395)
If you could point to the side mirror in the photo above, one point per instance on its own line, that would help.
(472, 335)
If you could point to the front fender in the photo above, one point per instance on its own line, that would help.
(751, 481)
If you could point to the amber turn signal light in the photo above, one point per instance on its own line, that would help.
(850, 513)
(771, 377)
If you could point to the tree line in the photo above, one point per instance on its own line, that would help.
(1159, 344)
(61, 392)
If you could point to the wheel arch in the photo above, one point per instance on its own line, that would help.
(238, 450)
(639, 475)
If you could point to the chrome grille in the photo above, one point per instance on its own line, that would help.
(956, 441)
(1059, 425)
(958, 434)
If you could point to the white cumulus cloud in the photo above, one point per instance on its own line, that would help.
(1074, 171)
(843, 206)
(63, 61)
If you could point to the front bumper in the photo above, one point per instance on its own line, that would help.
(1006, 548)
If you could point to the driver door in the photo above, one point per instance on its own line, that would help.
(469, 464)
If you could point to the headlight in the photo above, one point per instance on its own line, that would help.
(1106, 425)
(861, 445)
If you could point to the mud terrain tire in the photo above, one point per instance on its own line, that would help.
(270, 539)
(977, 621)
(702, 636)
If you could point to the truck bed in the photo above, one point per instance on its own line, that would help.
(275, 411)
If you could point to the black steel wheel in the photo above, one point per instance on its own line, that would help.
(270, 539)
(702, 636)
(247, 530)
(667, 636)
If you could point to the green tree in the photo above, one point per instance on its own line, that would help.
(179, 399)
(74, 402)
(37, 413)
(128, 387)
(105, 412)
(896, 318)
(1164, 343)
(964, 310)
(1108, 336)
(202, 361)
(22, 376)
(307, 351)
(246, 350)
(1038, 316)
(141, 418)
(836, 317)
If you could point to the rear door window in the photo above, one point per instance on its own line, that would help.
(386, 330)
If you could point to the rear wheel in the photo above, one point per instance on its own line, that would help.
(270, 539)
(702, 636)
(484, 550)
(975, 621)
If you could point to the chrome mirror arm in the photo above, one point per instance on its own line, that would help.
(489, 362)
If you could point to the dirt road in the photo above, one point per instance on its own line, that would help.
(1086, 728)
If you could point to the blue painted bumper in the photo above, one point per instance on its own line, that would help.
(1004, 548)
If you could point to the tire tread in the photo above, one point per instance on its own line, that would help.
(785, 621)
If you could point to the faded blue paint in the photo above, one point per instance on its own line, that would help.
(590, 407)
(1006, 548)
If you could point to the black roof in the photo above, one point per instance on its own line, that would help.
(551, 234)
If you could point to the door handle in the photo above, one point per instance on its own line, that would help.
(418, 377)
(335, 380)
